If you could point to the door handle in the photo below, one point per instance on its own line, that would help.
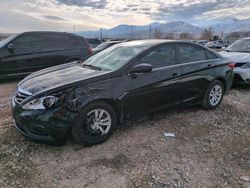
(175, 74)
(210, 65)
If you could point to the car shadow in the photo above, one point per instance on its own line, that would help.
(242, 87)
(10, 80)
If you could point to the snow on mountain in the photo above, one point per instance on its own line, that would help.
(226, 25)
(232, 25)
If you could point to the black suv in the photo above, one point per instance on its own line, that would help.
(27, 52)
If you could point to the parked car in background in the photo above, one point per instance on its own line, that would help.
(27, 52)
(239, 52)
(215, 44)
(94, 42)
(127, 80)
(226, 43)
(218, 44)
(105, 45)
(210, 44)
(202, 42)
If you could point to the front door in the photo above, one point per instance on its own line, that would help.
(155, 90)
(20, 59)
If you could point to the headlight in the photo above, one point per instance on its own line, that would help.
(44, 102)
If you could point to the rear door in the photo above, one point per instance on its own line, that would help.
(52, 50)
(157, 89)
(195, 71)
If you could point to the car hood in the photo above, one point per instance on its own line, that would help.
(58, 76)
(237, 57)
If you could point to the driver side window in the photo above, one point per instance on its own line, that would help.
(25, 43)
(160, 57)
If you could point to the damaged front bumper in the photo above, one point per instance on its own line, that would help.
(44, 126)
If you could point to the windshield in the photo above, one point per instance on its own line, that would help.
(5, 41)
(114, 57)
(242, 45)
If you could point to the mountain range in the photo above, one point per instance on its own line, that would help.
(176, 28)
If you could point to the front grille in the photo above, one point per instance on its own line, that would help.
(21, 95)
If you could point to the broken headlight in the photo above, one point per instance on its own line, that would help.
(43, 103)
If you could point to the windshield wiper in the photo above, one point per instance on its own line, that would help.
(91, 66)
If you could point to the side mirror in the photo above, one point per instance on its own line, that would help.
(11, 48)
(142, 68)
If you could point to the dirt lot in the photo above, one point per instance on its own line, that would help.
(211, 149)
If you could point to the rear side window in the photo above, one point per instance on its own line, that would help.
(161, 57)
(72, 42)
(190, 53)
(52, 41)
(211, 55)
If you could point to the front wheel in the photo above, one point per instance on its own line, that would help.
(94, 124)
(213, 95)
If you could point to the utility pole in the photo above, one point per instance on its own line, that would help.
(150, 31)
(101, 33)
(132, 32)
(74, 28)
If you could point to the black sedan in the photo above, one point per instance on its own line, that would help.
(88, 99)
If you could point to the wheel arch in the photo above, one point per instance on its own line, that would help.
(223, 81)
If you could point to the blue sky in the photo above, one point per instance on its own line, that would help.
(61, 15)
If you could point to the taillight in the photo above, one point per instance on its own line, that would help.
(90, 51)
(231, 65)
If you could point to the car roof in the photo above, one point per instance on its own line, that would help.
(151, 42)
(112, 41)
(48, 32)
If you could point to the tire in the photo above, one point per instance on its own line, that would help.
(85, 131)
(215, 88)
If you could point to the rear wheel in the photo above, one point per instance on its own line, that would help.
(94, 124)
(213, 95)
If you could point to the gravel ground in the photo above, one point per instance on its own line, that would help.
(211, 149)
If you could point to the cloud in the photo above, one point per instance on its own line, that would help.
(188, 10)
(95, 4)
(95, 14)
(54, 18)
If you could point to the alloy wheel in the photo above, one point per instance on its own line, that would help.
(215, 95)
(99, 119)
